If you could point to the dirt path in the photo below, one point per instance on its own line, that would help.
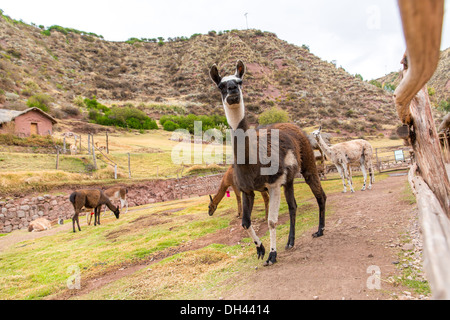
(365, 230)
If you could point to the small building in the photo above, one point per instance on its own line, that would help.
(27, 122)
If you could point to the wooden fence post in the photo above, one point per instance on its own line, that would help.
(129, 166)
(107, 143)
(57, 158)
(422, 26)
(93, 154)
(89, 143)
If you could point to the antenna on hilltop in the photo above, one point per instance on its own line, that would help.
(246, 20)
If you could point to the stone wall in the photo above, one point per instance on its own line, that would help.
(18, 212)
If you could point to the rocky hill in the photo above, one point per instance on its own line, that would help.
(67, 65)
(438, 86)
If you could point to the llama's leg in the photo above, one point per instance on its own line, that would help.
(313, 182)
(341, 173)
(265, 196)
(274, 207)
(371, 173)
(290, 199)
(348, 174)
(98, 211)
(74, 218)
(363, 169)
(238, 200)
(247, 201)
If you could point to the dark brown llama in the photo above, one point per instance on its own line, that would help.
(90, 199)
(228, 181)
(266, 159)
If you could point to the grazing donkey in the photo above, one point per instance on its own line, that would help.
(266, 159)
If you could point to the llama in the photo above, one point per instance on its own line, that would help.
(73, 149)
(289, 153)
(117, 193)
(227, 181)
(345, 153)
(90, 199)
(40, 224)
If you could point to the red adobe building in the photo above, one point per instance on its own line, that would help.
(27, 122)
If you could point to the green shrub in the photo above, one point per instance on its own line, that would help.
(127, 117)
(187, 122)
(94, 104)
(41, 101)
(170, 126)
(444, 105)
(273, 115)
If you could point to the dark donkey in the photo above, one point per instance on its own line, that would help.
(266, 159)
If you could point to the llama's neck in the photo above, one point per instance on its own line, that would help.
(220, 194)
(325, 148)
(235, 114)
(110, 205)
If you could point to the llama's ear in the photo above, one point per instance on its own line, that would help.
(210, 198)
(214, 74)
(320, 129)
(240, 69)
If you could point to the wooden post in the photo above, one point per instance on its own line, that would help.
(115, 171)
(64, 145)
(107, 143)
(57, 158)
(422, 26)
(80, 143)
(378, 161)
(93, 155)
(129, 166)
(89, 143)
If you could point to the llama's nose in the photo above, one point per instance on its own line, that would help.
(232, 87)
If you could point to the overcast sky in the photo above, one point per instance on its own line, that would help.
(363, 36)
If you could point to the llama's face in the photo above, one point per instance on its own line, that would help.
(212, 207)
(316, 133)
(230, 86)
(117, 212)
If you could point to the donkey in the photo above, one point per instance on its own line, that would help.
(266, 159)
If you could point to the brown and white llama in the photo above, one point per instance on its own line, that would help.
(90, 199)
(117, 194)
(228, 181)
(344, 154)
(265, 160)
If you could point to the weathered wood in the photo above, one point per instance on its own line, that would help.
(427, 149)
(422, 26)
(435, 227)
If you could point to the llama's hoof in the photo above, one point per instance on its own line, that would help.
(272, 259)
(290, 244)
(261, 251)
(318, 234)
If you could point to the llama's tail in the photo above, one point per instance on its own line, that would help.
(73, 196)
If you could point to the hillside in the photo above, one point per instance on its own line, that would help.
(173, 75)
(439, 84)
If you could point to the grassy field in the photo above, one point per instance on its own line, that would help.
(139, 236)
(150, 158)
